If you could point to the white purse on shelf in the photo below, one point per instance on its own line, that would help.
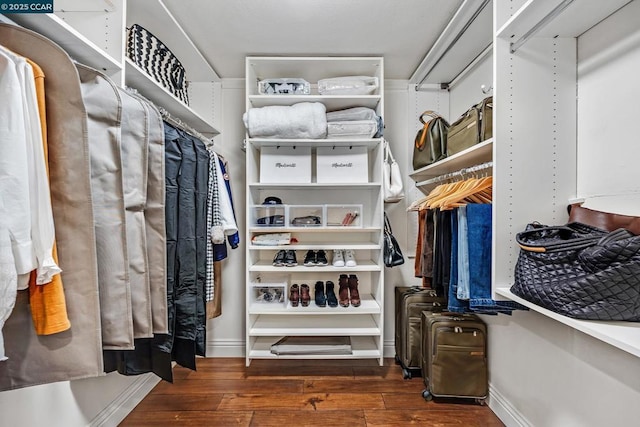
(391, 177)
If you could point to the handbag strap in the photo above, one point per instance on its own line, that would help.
(524, 240)
(387, 225)
(428, 113)
(388, 155)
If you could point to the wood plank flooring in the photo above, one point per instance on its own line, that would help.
(223, 392)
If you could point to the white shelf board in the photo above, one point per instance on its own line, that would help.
(136, 78)
(577, 18)
(75, 44)
(266, 142)
(313, 68)
(363, 347)
(279, 325)
(266, 266)
(154, 16)
(479, 153)
(314, 229)
(622, 335)
(315, 246)
(368, 305)
(331, 102)
(315, 186)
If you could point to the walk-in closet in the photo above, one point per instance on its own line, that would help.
(195, 209)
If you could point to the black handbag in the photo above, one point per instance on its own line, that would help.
(155, 59)
(391, 252)
(580, 271)
(430, 144)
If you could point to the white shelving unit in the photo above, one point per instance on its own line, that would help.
(267, 323)
(93, 32)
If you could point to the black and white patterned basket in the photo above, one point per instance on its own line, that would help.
(150, 54)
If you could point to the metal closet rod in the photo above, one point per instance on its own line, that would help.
(185, 127)
(460, 173)
(544, 21)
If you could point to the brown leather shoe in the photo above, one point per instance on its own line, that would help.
(305, 296)
(343, 292)
(294, 295)
(353, 290)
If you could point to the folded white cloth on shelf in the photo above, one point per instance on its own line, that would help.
(352, 129)
(355, 113)
(298, 121)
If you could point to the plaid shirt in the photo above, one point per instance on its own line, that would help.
(213, 220)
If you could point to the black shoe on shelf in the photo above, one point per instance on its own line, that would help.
(321, 300)
(310, 259)
(332, 300)
(278, 259)
(321, 258)
(290, 258)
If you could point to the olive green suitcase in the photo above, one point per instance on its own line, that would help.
(454, 356)
(410, 302)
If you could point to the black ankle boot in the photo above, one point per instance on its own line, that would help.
(321, 299)
(332, 301)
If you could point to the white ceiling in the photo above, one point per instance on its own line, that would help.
(402, 31)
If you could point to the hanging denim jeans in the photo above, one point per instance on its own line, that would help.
(454, 304)
(479, 237)
(463, 254)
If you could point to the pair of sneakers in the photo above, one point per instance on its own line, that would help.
(344, 258)
(318, 258)
(285, 258)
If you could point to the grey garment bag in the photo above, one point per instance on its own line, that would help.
(77, 352)
(104, 112)
(135, 157)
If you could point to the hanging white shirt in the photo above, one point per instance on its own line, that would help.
(41, 214)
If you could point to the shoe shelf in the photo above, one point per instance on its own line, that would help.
(368, 305)
(324, 246)
(329, 324)
(266, 266)
(363, 347)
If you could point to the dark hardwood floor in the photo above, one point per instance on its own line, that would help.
(223, 392)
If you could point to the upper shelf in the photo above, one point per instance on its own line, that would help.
(575, 19)
(75, 44)
(161, 97)
(371, 143)
(623, 335)
(331, 102)
(154, 16)
(479, 153)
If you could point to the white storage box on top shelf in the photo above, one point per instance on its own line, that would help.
(282, 165)
(342, 165)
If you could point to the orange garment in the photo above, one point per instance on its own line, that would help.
(48, 304)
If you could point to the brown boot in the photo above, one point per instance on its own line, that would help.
(343, 292)
(294, 295)
(305, 296)
(353, 290)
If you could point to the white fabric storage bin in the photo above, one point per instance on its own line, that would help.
(342, 165)
(285, 165)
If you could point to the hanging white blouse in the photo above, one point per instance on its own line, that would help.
(8, 283)
(228, 220)
(41, 214)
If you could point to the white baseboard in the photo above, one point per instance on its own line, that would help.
(509, 415)
(116, 411)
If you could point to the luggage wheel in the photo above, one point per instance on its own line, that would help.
(397, 359)
(481, 402)
(426, 395)
(406, 374)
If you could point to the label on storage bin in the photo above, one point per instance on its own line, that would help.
(285, 165)
(342, 165)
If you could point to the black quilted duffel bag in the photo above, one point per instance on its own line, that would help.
(580, 271)
(155, 59)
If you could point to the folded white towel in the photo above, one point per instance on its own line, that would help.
(298, 121)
